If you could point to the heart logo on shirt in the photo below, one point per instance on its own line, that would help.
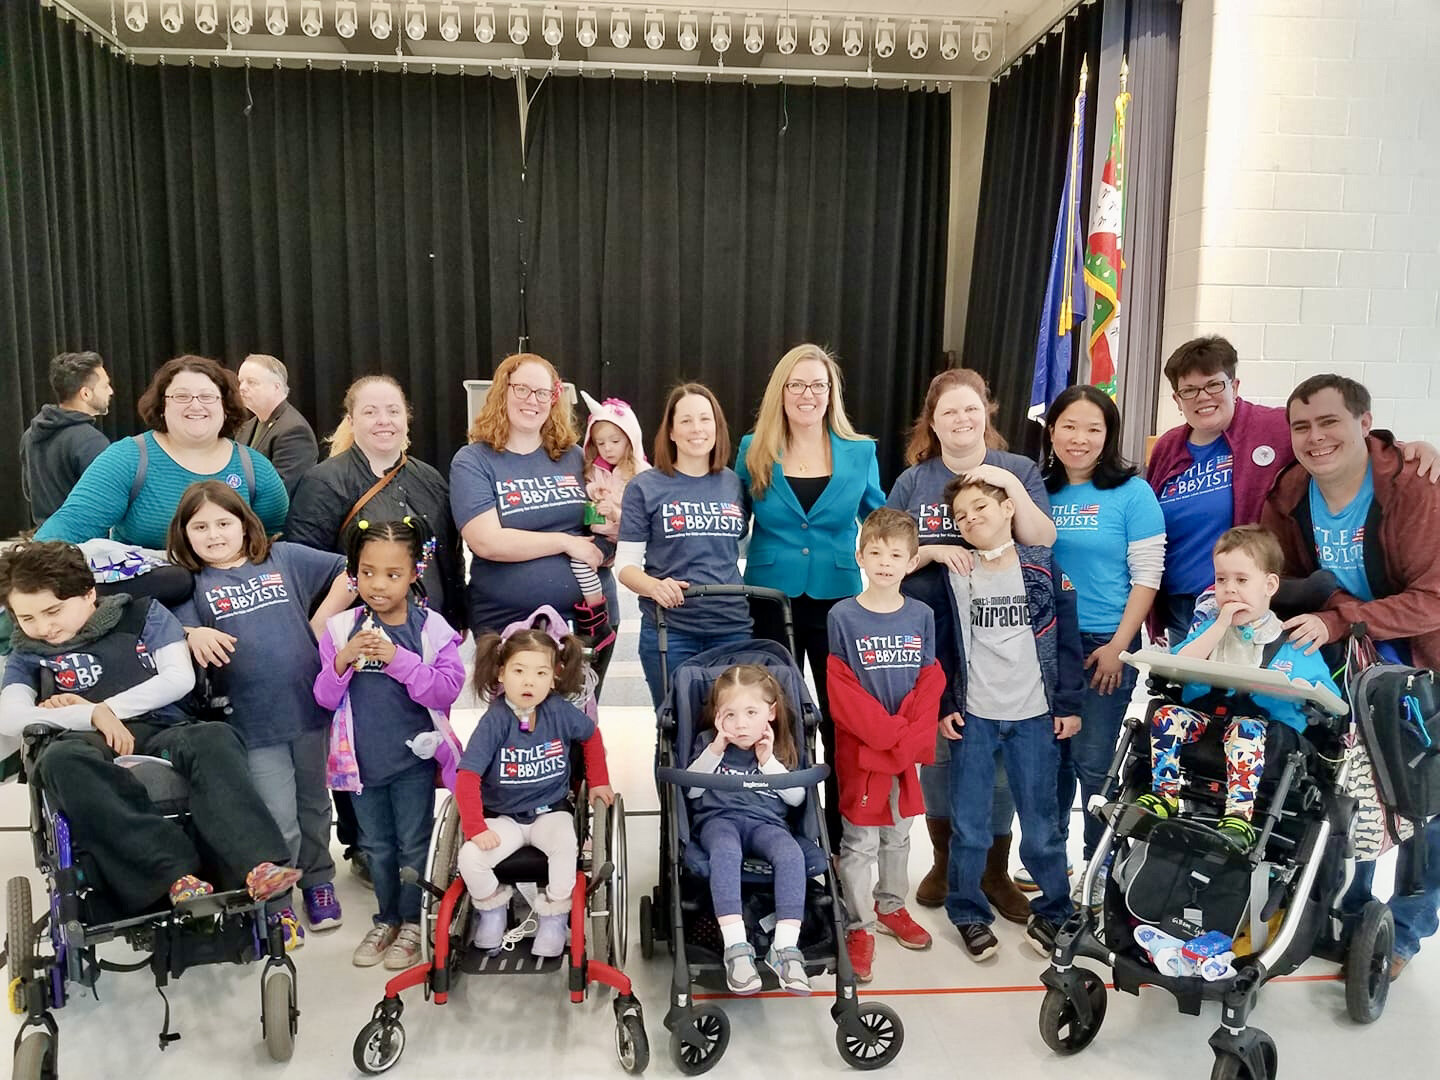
(65, 679)
(867, 658)
(677, 523)
(932, 523)
(513, 498)
(223, 604)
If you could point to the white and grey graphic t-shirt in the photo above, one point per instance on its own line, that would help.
(1004, 681)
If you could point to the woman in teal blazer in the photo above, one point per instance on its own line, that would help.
(810, 479)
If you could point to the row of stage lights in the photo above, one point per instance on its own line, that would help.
(552, 26)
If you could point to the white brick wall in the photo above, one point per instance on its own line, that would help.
(1305, 204)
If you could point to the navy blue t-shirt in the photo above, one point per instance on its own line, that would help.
(523, 771)
(270, 678)
(735, 761)
(691, 527)
(919, 491)
(886, 650)
(383, 713)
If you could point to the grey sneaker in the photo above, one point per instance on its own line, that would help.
(1097, 897)
(404, 951)
(789, 967)
(371, 949)
(740, 974)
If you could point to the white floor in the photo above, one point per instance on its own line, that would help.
(960, 1017)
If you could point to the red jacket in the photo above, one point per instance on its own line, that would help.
(1401, 557)
(872, 747)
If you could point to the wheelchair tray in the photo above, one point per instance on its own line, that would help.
(1188, 669)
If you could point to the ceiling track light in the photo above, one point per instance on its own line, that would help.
(687, 31)
(754, 33)
(852, 37)
(552, 27)
(620, 29)
(949, 41)
(982, 42)
(416, 20)
(312, 19)
(484, 24)
(207, 16)
(346, 18)
(885, 38)
(519, 26)
(137, 15)
(172, 16)
(277, 17)
(918, 37)
(382, 19)
(654, 29)
(720, 33)
(587, 28)
(449, 24)
(786, 34)
(819, 35)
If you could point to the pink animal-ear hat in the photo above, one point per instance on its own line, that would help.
(620, 414)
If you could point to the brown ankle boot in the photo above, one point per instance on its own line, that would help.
(995, 883)
(933, 886)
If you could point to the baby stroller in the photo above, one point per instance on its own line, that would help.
(1280, 901)
(598, 927)
(224, 927)
(867, 1035)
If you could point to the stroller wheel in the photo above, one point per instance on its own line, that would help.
(871, 1037)
(711, 1035)
(647, 928)
(1367, 964)
(379, 1045)
(1060, 1025)
(35, 1058)
(1231, 1067)
(632, 1045)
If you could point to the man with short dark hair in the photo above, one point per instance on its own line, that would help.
(1354, 506)
(62, 439)
(277, 429)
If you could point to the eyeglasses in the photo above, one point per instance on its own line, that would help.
(543, 394)
(819, 388)
(1213, 388)
(185, 399)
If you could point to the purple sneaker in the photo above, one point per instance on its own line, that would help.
(322, 909)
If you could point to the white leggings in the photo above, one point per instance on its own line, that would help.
(552, 833)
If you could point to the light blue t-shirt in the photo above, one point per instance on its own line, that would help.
(1094, 530)
(1340, 538)
(1198, 506)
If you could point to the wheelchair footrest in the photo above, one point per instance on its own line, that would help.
(517, 961)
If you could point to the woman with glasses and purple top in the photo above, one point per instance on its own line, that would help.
(810, 479)
(517, 492)
(1213, 471)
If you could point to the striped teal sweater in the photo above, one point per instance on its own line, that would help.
(99, 504)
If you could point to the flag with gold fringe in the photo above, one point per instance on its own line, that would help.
(1105, 256)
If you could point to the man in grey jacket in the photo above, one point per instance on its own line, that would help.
(277, 429)
(62, 440)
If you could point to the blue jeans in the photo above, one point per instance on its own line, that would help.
(1032, 759)
(1417, 914)
(395, 822)
(679, 647)
(935, 790)
(1085, 756)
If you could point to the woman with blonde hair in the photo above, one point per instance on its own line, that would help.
(517, 493)
(810, 478)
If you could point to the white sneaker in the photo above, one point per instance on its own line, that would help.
(1025, 883)
(1097, 898)
(404, 951)
(371, 949)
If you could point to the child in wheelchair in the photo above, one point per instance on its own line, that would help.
(1248, 563)
(109, 675)
(513, 785)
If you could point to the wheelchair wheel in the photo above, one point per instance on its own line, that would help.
(35, 1058)
(632, 1045)
(609, 914)
(19, 930)
(278, 1013)
(444, 855)
(1367, 964)
(379, 1046)
(1060, 1026)
(871, 1039)
(713, 1028)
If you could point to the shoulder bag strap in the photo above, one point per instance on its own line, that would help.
(140, 469)
(375, 489)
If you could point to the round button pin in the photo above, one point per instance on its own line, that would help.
(1263, 455)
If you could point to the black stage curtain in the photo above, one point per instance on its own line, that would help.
(689, 230)
(1026, 139)
(357, 222)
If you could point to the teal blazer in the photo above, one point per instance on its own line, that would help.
(812, 554)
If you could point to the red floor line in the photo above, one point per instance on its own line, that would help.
(922, 991)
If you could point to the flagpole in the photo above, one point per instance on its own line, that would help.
(1067, 296)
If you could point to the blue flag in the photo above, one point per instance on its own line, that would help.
(1064, 305)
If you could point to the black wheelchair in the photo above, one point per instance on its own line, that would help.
(222, 928)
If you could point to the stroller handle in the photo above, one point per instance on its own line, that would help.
(799, 778)
(755, 592)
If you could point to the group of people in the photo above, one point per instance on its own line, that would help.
(972, 675)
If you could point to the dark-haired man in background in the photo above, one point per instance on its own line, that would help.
(62, 439)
